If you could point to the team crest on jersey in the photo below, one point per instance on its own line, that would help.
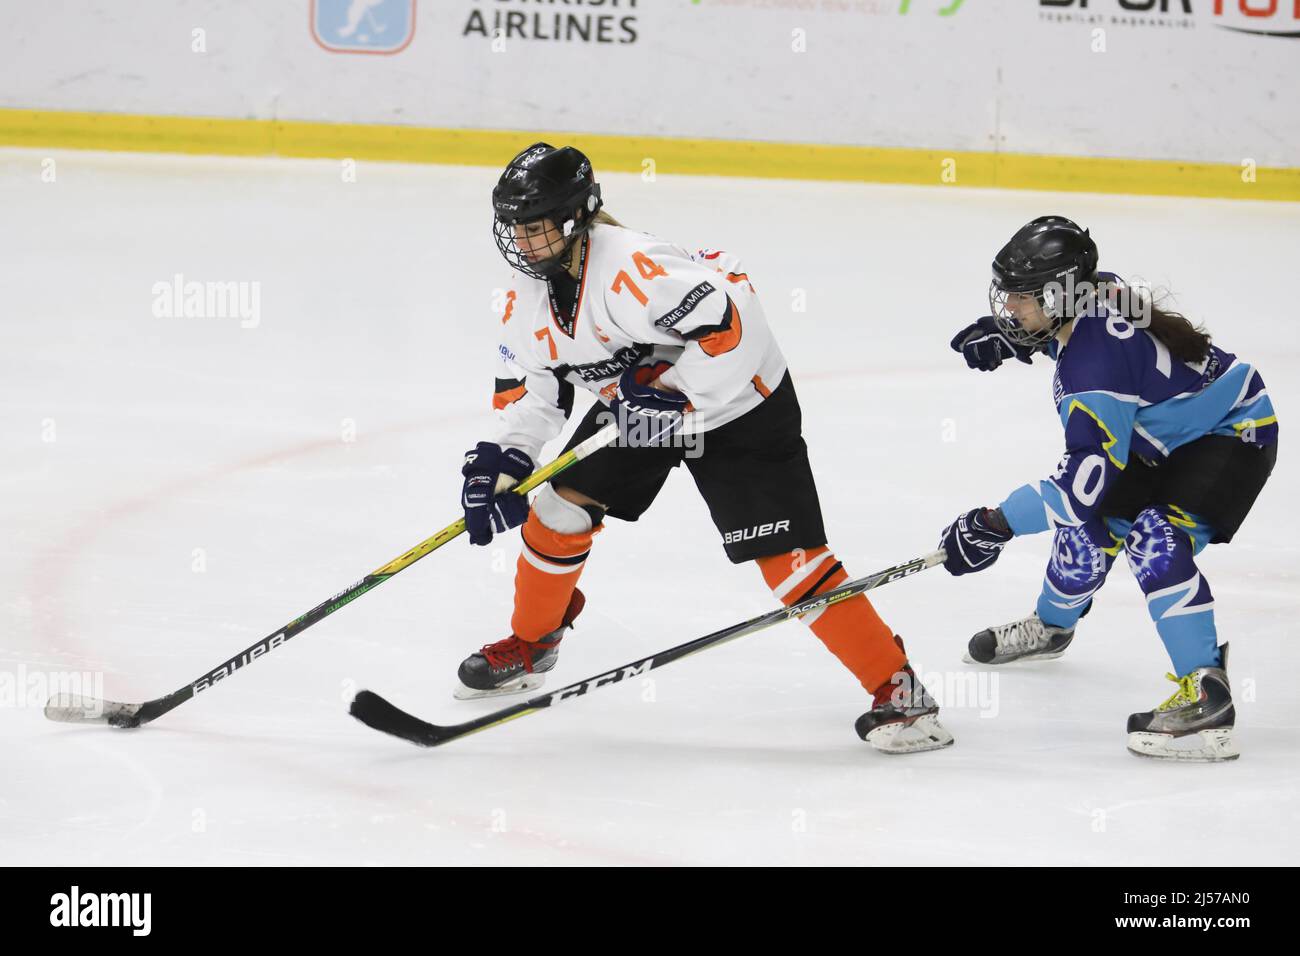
(363, 26)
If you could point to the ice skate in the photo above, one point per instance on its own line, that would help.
(1027, 639)
(1196, 723)
(512, 665)
(904, 718)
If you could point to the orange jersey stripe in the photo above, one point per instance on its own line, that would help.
(501, 399)
(724, 340)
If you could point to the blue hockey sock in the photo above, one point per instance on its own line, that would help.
(1161, 551)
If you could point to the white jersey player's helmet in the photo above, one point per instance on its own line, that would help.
(544, 183)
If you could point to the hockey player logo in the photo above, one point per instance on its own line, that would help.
(363, 26)
(1149, 547)
(1077, 563)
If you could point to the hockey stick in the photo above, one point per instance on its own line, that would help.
(77, 708)
(374, 711)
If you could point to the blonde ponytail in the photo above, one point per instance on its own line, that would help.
(601, 218)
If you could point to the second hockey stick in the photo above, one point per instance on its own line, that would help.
(78, 708)
(374, 711)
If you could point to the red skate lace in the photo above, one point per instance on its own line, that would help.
(512, 651)
(903, 683)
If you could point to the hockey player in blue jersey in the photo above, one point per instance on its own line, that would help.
(1169, 440)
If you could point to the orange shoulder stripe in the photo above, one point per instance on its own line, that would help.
(724, 340)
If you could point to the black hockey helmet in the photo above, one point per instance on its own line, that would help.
(543, 182)
(1046, 258)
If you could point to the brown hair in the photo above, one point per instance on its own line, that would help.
(1185, 341)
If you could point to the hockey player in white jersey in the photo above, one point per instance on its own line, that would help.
(677, 350)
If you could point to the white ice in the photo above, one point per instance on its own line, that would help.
(175, 488)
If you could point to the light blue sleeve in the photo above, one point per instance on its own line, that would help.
(1098, 428)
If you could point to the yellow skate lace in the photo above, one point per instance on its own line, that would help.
(1187, 693)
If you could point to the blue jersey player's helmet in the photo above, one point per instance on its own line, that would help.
(1045, 259)
(543, 182)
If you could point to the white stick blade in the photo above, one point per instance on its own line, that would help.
(80, 708)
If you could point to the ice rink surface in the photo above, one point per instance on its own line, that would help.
(176, 488)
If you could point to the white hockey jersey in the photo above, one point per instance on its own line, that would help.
(641, 300)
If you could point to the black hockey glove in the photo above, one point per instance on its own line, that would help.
(489, 471)
(647, 417)
(985, 346)
(975, 540)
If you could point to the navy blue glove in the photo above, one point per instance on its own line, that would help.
(985, 346)
(647, 417)
(484, 496)
(975, 540)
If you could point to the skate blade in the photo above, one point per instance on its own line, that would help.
(1205, 746)
(520, 685)
(924, 733)
(1027, 659)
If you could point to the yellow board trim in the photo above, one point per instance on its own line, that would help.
(702, 157)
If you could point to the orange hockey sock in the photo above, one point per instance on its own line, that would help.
(851, 629)
(550, 564)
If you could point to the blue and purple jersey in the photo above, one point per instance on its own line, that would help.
(1120, 393)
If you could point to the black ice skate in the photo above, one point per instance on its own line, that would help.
(1194, 724)
(1028, 639)
(904, 718)
(514, 666)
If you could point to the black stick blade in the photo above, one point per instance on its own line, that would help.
(377, 713)
(373, 711)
